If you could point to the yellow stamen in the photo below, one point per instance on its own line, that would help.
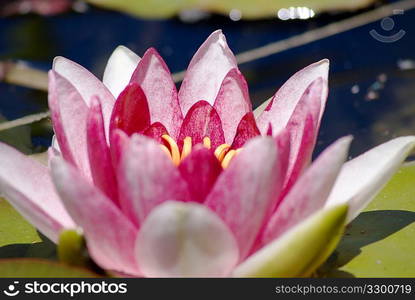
(227, 159)
(206, 142)
(221, 151)
(187, 147)
(165, 150)
(174, 149)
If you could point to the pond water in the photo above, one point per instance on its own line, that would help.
(372, 84)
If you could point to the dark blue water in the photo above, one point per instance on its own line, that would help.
(371, 97)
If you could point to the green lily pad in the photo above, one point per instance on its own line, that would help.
(380, 241)
(14, 229)
(248, 9)
(29, 268)
(20, 239)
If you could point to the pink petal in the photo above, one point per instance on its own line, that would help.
(153, 75)
(201, 121)
(185, 240)
(99, 153)
(364, 176)
(283, 144)
(86, 84)
(131, 112)
(247, 130)
(26, 184)
(109, 234)
(232, 103)
(244, 193)
(285, 101)
(118, 143)
(206, 71)
(52, 153)
(303, 128)
(310, 192)
(147, 177)
(69, 114)
(156, 131)
(200, 169)
(119, 68)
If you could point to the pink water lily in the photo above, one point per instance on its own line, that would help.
(192, 183)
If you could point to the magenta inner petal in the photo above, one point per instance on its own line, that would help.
(131, 113)
(155, 131)
(118, 143)
(200, 170)
(246, 130)
(201, 121)
(99, 153)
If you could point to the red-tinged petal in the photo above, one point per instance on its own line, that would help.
(185, 240)
(201, 121)
(232, 103)
(153, 75)
(155, 131)
(247, 130)
(283, 143)
(87, 85)
(309, 193)
(206, 71)
(119, 68)
(26, 184)
(303, 127)
(200, 169)
(244, 193)
(69, 113)
(147, 177)
(131, 113)
(119, 141)
(269, 130)
(283, 104)
(102, 169)
(109, 234)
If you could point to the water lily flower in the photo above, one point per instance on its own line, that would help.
(194, 183)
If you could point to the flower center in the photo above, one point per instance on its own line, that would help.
(223, 152)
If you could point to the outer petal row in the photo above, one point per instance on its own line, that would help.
(185, 239)
(363, 177)
(281, 107)
(120, 67)
(27, 185)
(251, 183)
(110, 235)
(87, 85)
(206, 71)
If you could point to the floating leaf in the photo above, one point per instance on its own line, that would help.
(20, 239)
(380, 241)
(29, 268)
(13, 228)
